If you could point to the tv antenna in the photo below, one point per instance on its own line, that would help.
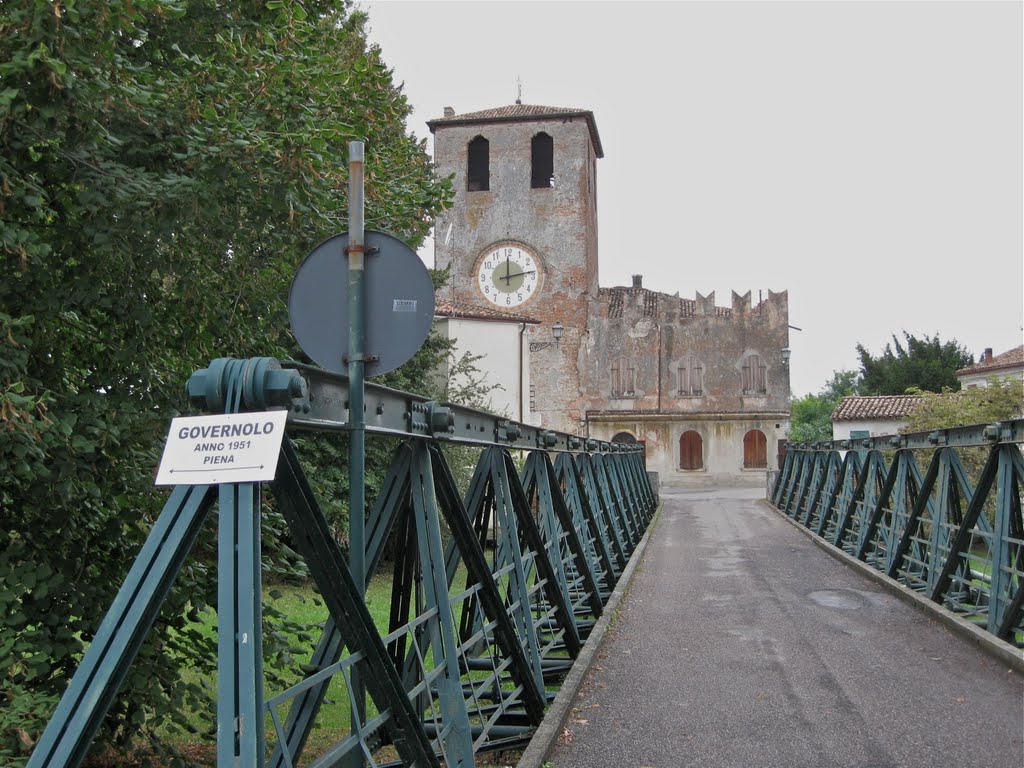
(519, 90)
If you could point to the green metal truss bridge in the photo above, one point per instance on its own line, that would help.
(471, 664)
(463, 668)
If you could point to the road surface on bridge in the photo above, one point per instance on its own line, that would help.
(741, 643)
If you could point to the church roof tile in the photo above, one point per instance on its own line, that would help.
(446, 308)
(513, 113)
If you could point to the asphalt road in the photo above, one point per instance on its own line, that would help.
(740, 643)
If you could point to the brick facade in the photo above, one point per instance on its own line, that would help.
(631, 360)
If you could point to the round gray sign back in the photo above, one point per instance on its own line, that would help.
(399, 303)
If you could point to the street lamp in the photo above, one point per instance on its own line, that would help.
(785, 355)
(557, 330)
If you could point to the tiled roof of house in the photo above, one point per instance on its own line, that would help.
(522, 112)
(446, 308)
(857, 407)
(1014, 358)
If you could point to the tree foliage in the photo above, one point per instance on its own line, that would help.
(164, 166)
(926, 363)
(811, 418)
(999, 401)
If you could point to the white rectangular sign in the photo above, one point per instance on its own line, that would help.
(230, 448)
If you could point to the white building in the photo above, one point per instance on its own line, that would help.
(857, 417)
(501, 341)
(1009, 365)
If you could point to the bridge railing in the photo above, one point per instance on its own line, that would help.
(938, 511)
(463, 666)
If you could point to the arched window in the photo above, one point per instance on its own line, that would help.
(542, 153)
(753, 376)
(691, 450)
(623, 373)
(624, 437)
(755, 450)
(478, 174)
(691, 376)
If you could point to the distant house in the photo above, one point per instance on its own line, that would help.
(858, 417)
(502, 342)
(1008, 365)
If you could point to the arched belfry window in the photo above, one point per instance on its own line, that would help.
(691, 450)
(691, 376)
(478, 173)
(623, 377)
(542, 172)
(753, 376)
(755, 450)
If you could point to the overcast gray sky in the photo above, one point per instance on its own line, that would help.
(865, 156)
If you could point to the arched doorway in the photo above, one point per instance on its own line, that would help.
(691, 450)
(755, 450)
(624, 437)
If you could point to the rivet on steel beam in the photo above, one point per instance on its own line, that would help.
(845, 445)
(991, 432)
(574, 443)
(935, 437)
(896, 441)
(547, 439)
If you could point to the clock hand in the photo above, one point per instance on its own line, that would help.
(508, 263)
(520, 274)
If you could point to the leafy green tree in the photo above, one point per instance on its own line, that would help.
(811, 419)
(926, 363)
(999, 401)
(164, 166)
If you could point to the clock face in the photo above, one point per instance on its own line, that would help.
(508, 275)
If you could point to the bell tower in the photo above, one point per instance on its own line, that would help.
(521, 235)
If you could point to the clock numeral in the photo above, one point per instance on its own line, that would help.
(508, 299)
(487, 265)
(519, 297)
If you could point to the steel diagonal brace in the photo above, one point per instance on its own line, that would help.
(545, 473)
(920, 504)
(326, 562)
(594, 495)
(567, 474)
(548, 526)
(961, 540)
(871, 530)
(455, 736)
(468, 545)
(303, 712)
(1005, 553)
(531, 536)
(84, 704)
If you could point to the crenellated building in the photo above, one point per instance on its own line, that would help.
(704, 387)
